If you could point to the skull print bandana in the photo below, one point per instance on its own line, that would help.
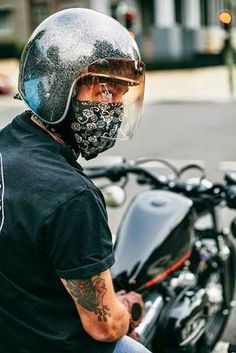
(95, 126)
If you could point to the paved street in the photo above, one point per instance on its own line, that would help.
(176, 131)
(186, 131)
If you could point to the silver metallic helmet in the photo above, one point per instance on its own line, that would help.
(73, 44)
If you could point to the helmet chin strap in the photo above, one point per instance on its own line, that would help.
(55, 136)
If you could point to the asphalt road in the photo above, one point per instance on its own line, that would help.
(178, 132)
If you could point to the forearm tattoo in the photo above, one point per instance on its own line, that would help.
(89, 294)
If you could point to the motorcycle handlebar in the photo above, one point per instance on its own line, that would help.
(118, 171)
(215, 194)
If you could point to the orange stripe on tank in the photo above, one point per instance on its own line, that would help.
(170, 269)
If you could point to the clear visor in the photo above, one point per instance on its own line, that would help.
(119, 84)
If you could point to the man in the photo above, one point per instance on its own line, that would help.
(82, 79)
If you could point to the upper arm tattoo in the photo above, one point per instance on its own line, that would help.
(89, 294)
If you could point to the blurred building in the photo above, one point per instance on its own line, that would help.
(172, 30)
(177, 30)
(18, 18)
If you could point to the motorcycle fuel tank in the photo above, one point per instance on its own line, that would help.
(154, 239)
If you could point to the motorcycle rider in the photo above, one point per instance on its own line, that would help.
(83, 81)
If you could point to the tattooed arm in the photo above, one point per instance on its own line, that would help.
(103, 316)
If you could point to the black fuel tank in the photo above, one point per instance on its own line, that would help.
(154, 237)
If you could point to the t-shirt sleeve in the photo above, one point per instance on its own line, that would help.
(78, 238)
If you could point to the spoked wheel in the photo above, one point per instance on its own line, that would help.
(213, 332)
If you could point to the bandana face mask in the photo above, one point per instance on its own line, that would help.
(95, 126)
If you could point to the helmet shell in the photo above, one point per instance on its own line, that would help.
(60, 48)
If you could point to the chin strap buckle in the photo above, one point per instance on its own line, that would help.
(17, 96)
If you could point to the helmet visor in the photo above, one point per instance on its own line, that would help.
(119, 82)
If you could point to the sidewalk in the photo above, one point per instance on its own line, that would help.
(191, 85)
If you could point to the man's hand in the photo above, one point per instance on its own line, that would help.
(130, 300)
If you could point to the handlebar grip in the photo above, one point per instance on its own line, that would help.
(136, 311)
(94, 174)
(114, 173)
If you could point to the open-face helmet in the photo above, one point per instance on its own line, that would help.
(77, 47)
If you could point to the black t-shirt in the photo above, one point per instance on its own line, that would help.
(53, 223)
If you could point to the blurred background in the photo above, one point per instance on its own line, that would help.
(171, 34)
(189, 112)
(171, 30)
(177, 32)
(189, 105)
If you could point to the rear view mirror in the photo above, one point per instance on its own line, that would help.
(114, 195)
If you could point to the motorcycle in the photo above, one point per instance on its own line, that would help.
(184, 271)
